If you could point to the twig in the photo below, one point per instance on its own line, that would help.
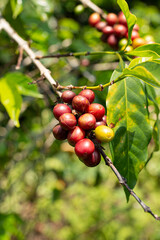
(76, 54)
(20, 58)
(94, 7)
(121, 179)
(23, 44)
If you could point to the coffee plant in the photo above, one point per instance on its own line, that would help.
(131, 119)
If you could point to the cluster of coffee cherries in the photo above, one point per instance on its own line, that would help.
(78, 116)
(115, 31)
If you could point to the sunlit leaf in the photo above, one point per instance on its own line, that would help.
(22, 82)
(17, 7)
(131, 19)
(144, 73)
(149, 50)
(11, 99)
(126, 108)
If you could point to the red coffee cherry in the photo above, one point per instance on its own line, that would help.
(108, 30)
(111, 19)
(87, 121)
(122, 19)
(67, 96)
(112, 41)
(89, 94)
(84, 148)
(99, 123)
(60, 109)
(68, 121)
(136, 27)
(75, 135)
(99, 26)
(120, 30)
(104, 119)
(80, 103)
(97, 110)
(59, 133)
(94, 18)
(134, 35)
(93, 159)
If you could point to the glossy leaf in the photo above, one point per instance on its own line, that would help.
(131, 19)
(148, 50)
(139, 60)
(144, 73)
(11, 99)
(126, 108)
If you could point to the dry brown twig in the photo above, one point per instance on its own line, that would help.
(94, 7)
(4, 25)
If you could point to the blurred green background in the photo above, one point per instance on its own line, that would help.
(45, 191)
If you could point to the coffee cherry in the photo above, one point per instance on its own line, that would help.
(94, 18)
(80, 103)
(111, 19)
(93, 159)
(99, 123)
(108, 30)
(59, 133)
(84, 148)
(129, 48)
(68, 121)
(104, 133)
(75, 135)
(112, 41)
(122, 19)
(87, 121)
(67, 96)
(89, 94)
(60, 109)
(79, 9)
(138, 42)
(120, 30)
(85, 62)
(134, 35)
(104, 119)
(100, 25)
(136, 27)
(122, 43)
(97, 110)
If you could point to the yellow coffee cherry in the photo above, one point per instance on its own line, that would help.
(104, 133)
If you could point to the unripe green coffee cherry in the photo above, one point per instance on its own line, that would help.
(104, 133)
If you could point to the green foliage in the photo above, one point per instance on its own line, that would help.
(149, 50)
(12, 86)
(132, 131)
(45, 191)
(131, 19)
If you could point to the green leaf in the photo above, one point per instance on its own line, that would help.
(145, 72)
(126, 108)
(22, 85)
(151, 96)
(148, 50)
(139, 60)
(11, 99)
(131, 19)
(17, 7)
